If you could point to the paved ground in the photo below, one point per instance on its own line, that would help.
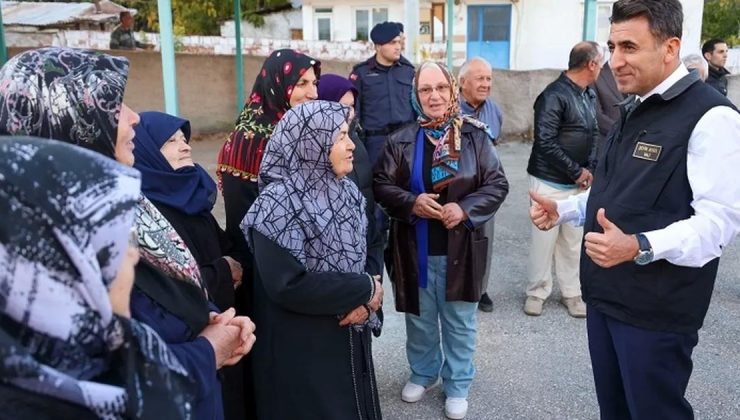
(538, 368)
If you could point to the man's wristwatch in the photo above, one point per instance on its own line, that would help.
(645, 254)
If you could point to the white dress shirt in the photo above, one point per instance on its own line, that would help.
(713, 161)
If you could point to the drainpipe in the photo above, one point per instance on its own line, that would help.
(238, 56)
(167, 47)
(589, 20)
(449, 22)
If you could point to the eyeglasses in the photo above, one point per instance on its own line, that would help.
(442, 89)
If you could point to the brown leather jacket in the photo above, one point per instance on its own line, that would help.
(479, 188)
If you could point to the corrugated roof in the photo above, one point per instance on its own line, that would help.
(52, 14)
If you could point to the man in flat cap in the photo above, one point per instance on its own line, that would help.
(383, 83)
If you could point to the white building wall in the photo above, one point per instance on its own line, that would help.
(277, 26)
(693, 10)
(343, 16)
(544, 31)
(308, 29)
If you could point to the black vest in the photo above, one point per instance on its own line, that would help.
(649, 193)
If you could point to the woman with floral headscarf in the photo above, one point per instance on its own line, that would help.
(287, 78)
(313, 297)
(439, 180)
(76, 96)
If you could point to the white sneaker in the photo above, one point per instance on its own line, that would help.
(412, 392)
(456, 408)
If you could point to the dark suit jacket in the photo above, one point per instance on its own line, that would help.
(607, 97)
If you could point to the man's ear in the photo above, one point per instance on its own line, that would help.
(672, 49)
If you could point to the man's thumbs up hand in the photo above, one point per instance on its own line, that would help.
(611, 247)
(605, 223)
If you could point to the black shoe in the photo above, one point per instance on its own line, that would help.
(485, 304)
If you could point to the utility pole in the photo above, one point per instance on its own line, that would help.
(238, 57)
(589, 20)
(167, 50)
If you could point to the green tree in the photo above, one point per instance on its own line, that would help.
(721, 20)
(199, 17)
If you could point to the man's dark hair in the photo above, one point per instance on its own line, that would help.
(665, 17)
(582, 54)
(123, 14)
(708, 46)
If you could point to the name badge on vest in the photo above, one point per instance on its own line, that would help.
(647, 151)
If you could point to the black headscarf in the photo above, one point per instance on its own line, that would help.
(64, 94)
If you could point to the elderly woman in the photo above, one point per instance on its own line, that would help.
(313, 297)
(168, 294)
(185, 194)
(439, 180)
(68, 348)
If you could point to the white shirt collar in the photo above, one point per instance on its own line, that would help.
(666, 84)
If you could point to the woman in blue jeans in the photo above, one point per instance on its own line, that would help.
(440, 180)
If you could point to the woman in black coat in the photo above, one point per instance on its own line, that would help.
(185, 194)
(315, 301)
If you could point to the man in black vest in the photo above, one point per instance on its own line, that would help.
(656, 219)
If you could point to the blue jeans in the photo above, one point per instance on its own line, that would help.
(453, 361)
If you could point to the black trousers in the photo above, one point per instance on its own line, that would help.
(639, 373)
(239, 195)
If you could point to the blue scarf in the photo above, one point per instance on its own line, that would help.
(189, 189)
(422, 225)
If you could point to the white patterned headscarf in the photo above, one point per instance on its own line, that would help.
(306, 209)
(67, 215)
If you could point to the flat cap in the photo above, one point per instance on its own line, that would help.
(384, 33)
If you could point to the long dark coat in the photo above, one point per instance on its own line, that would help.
(480, 187)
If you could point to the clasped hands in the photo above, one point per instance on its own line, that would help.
(360, 313)
(427, 207)
(607, 249)
(231, 336)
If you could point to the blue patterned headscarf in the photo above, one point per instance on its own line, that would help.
(189, 189)
(306, 209)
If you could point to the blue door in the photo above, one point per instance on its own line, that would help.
(489, 34)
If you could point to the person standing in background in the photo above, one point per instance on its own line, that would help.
(562, 160)
(475, 100)
(607, 99)
(715, 52)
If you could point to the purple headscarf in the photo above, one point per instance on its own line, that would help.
(333, 86)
